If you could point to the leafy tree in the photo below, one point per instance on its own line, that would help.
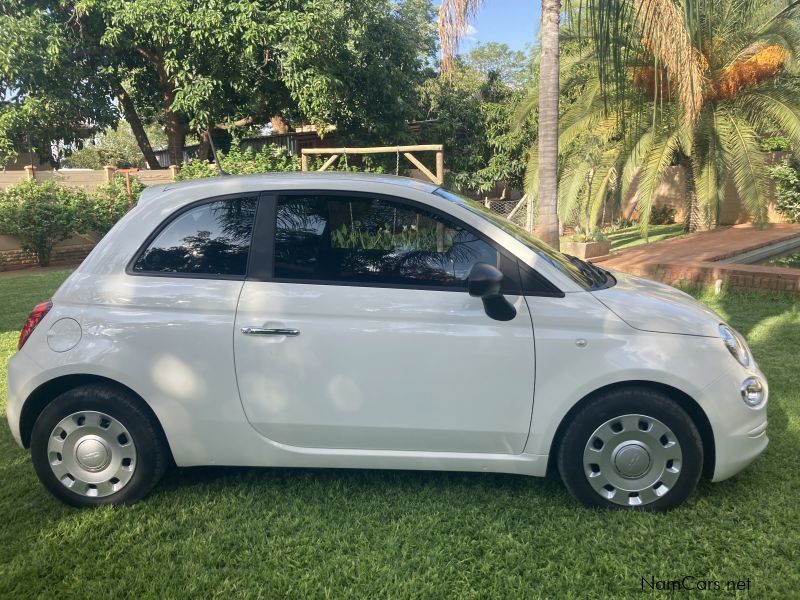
(512, 67)
(50, 88)
(473, 116)
(117, 147)
(198, 65)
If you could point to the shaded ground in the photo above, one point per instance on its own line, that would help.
(292, 533)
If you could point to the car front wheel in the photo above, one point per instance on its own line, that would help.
(631, 448)
(94, 445)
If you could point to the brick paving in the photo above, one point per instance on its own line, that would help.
(692, 259)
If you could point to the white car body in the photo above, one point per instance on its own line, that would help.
(379, 377)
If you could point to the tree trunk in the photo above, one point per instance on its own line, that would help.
(176, 136)
(204, 147)
(174, 123)
(547, 229)
(132, 117)
(694, 217)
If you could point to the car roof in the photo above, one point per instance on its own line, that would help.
(224, 184)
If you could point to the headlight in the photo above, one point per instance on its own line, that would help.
(752, 391)
(735, 345)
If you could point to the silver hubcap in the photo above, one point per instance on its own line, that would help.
(91, 453)
(632, 460)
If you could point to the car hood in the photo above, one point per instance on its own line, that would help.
(651, 306)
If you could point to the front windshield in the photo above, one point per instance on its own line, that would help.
(584, 274)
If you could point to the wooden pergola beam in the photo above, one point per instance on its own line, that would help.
(329, 162)
(374, 150)
(335, 153)
(414, 161)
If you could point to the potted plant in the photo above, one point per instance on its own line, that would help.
(586, 243)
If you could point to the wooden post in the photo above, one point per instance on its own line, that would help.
(30, 172)
(303, 161)
(440, 167)
(109, 173)
(173, 172)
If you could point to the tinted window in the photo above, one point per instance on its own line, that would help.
(560, 261)
(373, 241)
(211, 239)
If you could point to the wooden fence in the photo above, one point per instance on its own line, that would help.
(83, 178)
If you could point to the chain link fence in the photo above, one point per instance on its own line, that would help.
(515, 211)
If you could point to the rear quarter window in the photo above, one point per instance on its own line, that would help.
(206, 240)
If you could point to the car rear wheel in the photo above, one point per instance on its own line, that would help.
(94, 445)
(631, 448)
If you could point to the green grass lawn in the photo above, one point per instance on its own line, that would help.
(625, 238)
(289, 533)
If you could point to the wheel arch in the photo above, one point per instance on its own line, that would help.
(686, 402)
(43, 395)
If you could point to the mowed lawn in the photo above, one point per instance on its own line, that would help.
(286, 533)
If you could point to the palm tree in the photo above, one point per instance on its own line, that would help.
(454, 16)
(739, 81)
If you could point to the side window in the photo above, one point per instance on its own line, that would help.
(210, 239)
(372, 241)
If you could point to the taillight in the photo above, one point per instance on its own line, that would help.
(37, 314)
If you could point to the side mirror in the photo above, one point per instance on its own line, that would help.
(484, 282)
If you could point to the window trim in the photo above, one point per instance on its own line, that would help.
(129, 270)
(265, 230)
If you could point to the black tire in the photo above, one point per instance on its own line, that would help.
(599, 417)
(150, 448)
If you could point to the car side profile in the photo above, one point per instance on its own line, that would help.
(376, 322)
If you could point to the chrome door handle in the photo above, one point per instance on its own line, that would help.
(262, 331)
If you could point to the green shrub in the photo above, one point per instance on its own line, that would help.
(775, 143)
(360, 163)
(595, 234)
(662, 215)
(41, 214)
(240, 162)
(787, 190)
(109, 203)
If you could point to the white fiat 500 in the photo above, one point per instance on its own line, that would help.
(376, 322)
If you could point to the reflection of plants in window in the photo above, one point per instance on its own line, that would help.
(409, 239)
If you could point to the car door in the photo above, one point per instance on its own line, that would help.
(355, 330)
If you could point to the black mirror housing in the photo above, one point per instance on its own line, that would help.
(485, 282)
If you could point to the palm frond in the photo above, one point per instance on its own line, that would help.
(774, 105)
(606, 171)
(454, 18)
(574, 180)
(531, 179)
(744, 161)
(708, 163)
(654, 165)
(639, 149)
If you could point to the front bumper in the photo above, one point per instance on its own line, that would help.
(740, 432)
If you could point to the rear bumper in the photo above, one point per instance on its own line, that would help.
(21, 371)
(740, 432)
